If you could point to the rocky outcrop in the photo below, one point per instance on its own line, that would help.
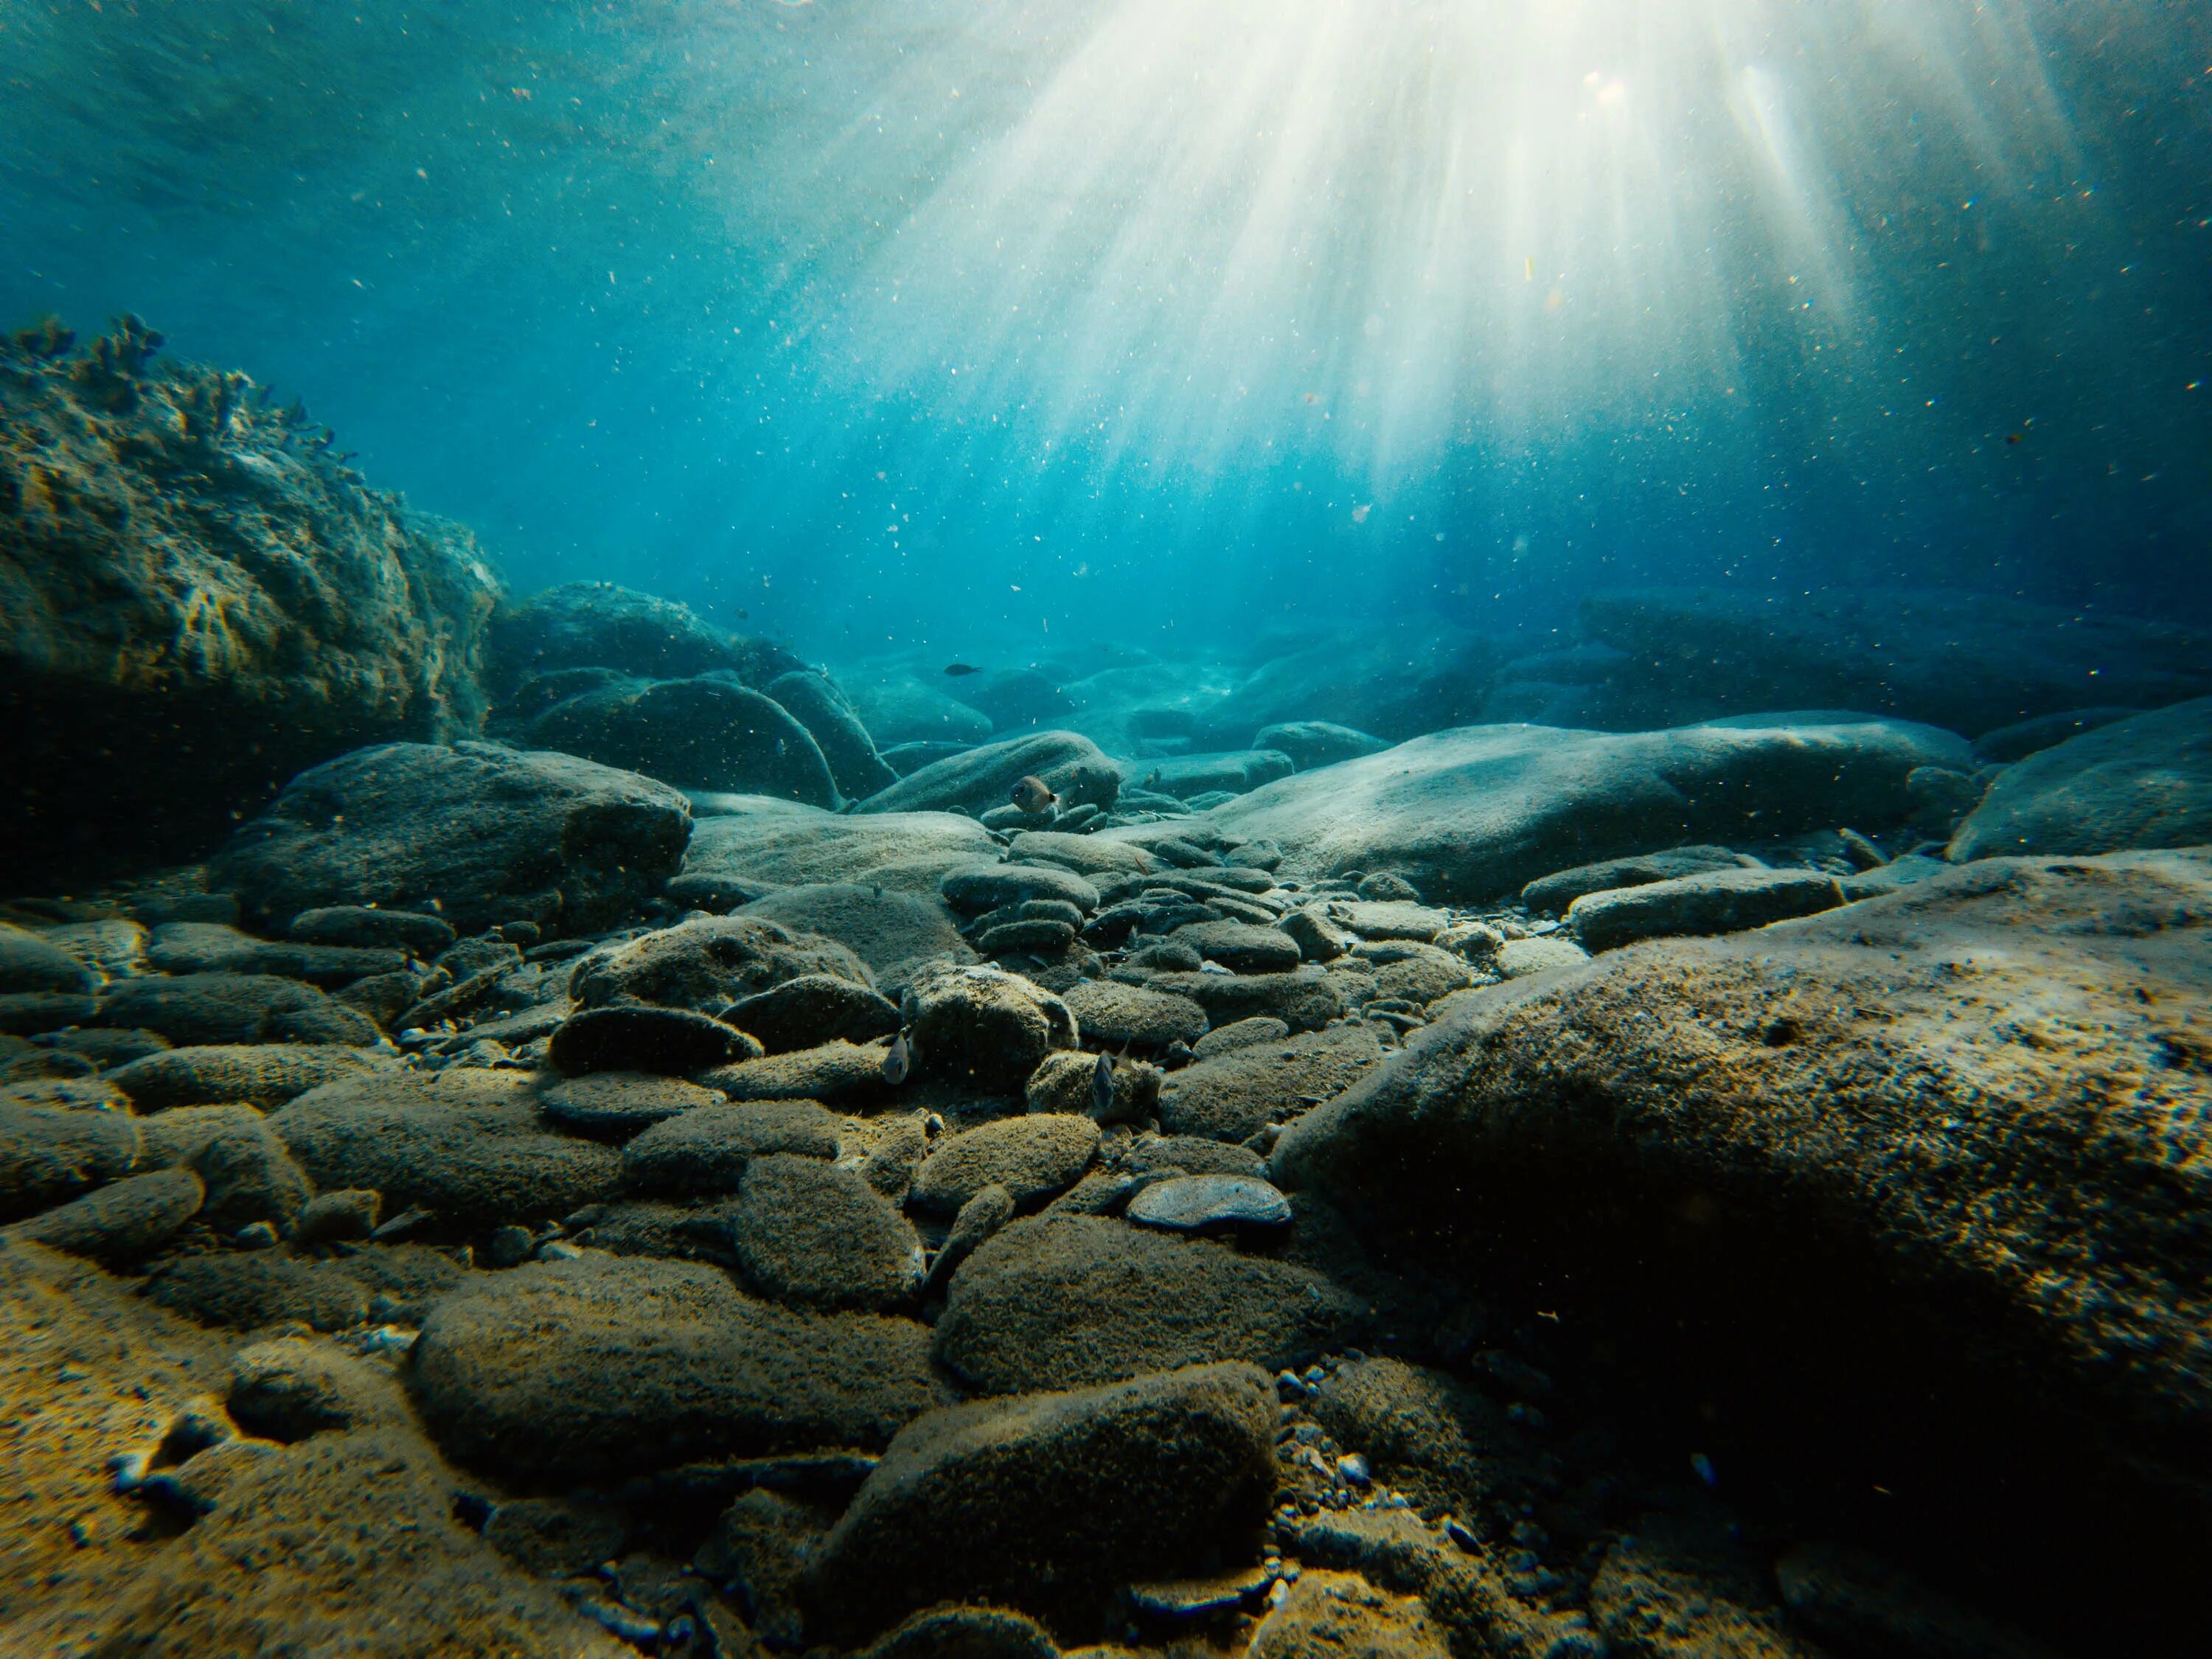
(198, 599)
(1474, 813)
(603, 625)
(2141, 782)
(493, 835)
(709, 732)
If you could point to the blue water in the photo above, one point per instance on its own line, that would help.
(867, 324)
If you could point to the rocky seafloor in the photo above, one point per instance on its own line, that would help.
(569, 1131)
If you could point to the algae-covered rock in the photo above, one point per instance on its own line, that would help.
(604, 625)
(706, 733)
(194, 588)
(816, 704)
(708, 962)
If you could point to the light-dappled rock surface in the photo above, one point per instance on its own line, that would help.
(1477, 812)
(785, 844)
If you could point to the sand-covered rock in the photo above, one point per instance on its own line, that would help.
(708, 1149)
(1556, 891)
(494, 835)
(1119, 1016)
(817, 1235)
(607, 1366)
(1032, 1157)
(194, 588)
(1056, 1500)
(1232, 1096)
(1063, 1301)
(707, 963)
(120, 1221)
(814, 701)
(1071, 765)
(2141, 782)
(785, 844)
(1475, 813)
(1715, 901)
(49, 1154)
(217, 1010)
(896, 933)
(264, 1074)
(1312, 744)
(987, 1027)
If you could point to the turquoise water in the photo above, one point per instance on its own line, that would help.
(872, 324)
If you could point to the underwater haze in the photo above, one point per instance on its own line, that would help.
(1105, 828)
(859, 318)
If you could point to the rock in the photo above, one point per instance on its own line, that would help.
(1859, 1604)
(1210, 1203)
(247, 1290)
(1238, 1034)
(208, 947)
(121, 1222)
(1058, 1500)
(213, 1010)
(1673, 1588)
(707, 1150)
(1476, 813)
(1305, 1000)
(1121, 1016)
(472, 1152)
(2141, 782)
(1067, 1082)
(1966, 661)
(757, 1548)
(706, 734)
(1313, 744)
(1087, 855)
(494, 834)
(786, 844)
(288, 1388)
(602, 1366)
(1339, 1615)
(1032, 1157)
(979, 1219)
(976, 888)
(686, 1231)
(1556, 891)
(987, 1027)
(845, 1073)
(613, 1106)
(1718, 901)
(1239, 946)
(895, 933)
(30, 963)
(1015, 697)
(1518, 958)
(259, 1074)
(1186, 776)
(1071, 767)
(26, 1013)
(547, 1538)
(1396, 681)
(1232, 1097)
(964, 1632)
(1065, 1300)
(2018, 741)
(1440, 1441)
(906, 710)
(345, 1216)
(364, 926)
(601, 625)
(1316, 935)
(706, 963)
(811, 700)
(631, 1037)
(817, 1235)
(1032, 939)
(48, 1155)
(810, 1010)
(1412, 972)
(197, 592)
(1936, 1234)
(907, 758)
(248, 1172)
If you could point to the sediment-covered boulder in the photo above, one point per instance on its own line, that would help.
(603, 625)
(196, 591)
(494, 835)
(710, 733)
(2145, 781)
(1071, 765)
(987, 1027)
(814, 701)
(780, 843)
(708, 962)
(1474, 813)
(894, 932)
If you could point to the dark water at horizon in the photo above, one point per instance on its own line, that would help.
(866, 324)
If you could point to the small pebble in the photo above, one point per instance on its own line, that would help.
(557, 1249)
(256, 1236)
(1352, 1469)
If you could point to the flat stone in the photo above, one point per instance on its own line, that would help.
(977, 779)
(1032, 1157)
(121, 1222)
(30, 963)
(1232, 1097)
(362, 926)
(1556, 891)
(50, 1154)
(1239, 946)
(1718, 901)
(615, 1105)
(812, 1009)
(851, 1074)
(894, 932)
(980, 887)
(259, 1074)
(706, 1150)
(1305, 1000)
(754, 838)
(208, 947)
(632, 1037)
(817, 1235)
(1122, 1015)
(708, 962)
(1208, 1203)
(211, 1009)
(1239, 1034)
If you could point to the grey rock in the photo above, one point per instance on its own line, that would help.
(121, 1222)
(1239, 946)
(632, 1037)
(288, 1388)
(247, 1290)
(1305, 1000)
(348, 1214)
(48, 1154)
(979, 887)
(1556, 891)
(1071, 767)
(494, 834)
(895, 933)
(602, 625)
(259, 1074)
(850, 1074)
(2016, 742)
(1187, 776)
(1311, 744)
(1058, 1499)
(752, 838)
(811, 700)
(614, 1105)
(1087, 855)
(198, 1010)
(1210, 1203)
(707, 1150)
(709, 732)
(362, 926)
(812, 1009)
(29, 964)
(208, 947)
(1718, 901)
(708, 962)
(1239, 1034)
(1519, 958)
(248, 1172)
(2141, 782)
(1131, 1017)
(987, 1027)
(1232, 1097)
(909, 711)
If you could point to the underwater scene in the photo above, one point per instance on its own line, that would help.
(1124, 829)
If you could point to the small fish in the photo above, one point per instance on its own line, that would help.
(1031, 795)
(1102, 1084)
(899, 1060)
(2014, 437)
(957, 668)
(1702, 1467)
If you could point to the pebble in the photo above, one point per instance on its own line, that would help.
(1352, 1469)
(257, 1235)
(1190, 1204)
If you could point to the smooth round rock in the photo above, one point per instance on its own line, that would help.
(1201, 1203)
(615, 1105)
(980, 887)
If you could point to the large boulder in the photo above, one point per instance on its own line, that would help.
(1054, 1502)
(1932, 1168)
(494, 835)
(1395, 681)
(709, 963)
(814, 701)
(1071, 765)
(899, 707)
(614, 1365)
(2142, 782)
(1473, 814)
(706, 733)
(751, 839)
(196, 599)
(1967, 661)
(1235, 771)
(601, 625)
